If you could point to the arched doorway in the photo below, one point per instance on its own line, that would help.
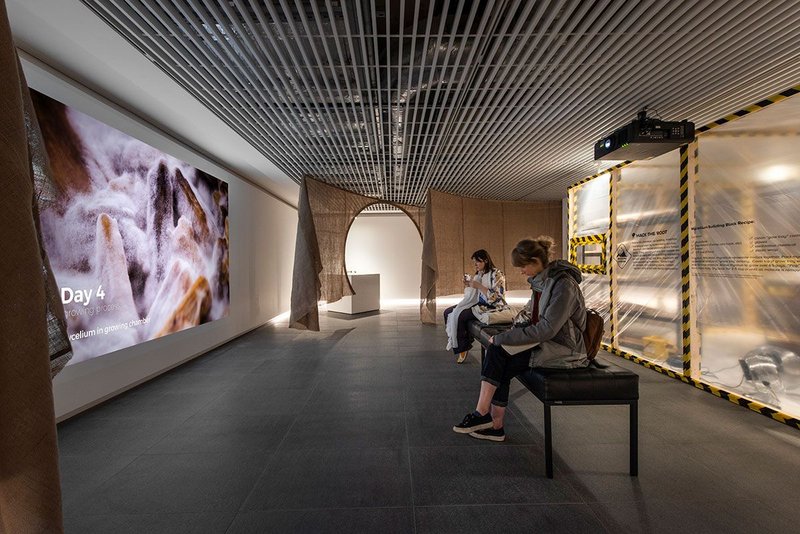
(389, 244)
(325, 214)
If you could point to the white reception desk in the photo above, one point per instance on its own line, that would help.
(367, 297)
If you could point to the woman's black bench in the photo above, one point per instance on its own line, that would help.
(597, 384)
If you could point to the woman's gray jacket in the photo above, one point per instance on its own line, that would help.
(562, 320)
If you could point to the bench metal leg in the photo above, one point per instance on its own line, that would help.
(548, 442)
(634, 434)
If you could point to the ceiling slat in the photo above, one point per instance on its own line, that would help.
(486, 98)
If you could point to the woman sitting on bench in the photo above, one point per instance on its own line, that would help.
(558, 318)
(486, 289)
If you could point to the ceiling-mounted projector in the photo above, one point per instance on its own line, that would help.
(644, 138)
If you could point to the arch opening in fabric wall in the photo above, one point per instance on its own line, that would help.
(325, 214)
(388, 244)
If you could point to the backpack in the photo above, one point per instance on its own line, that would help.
(593, 334)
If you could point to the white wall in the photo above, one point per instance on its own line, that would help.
(390, 245)
(262, 232)
(70, 37)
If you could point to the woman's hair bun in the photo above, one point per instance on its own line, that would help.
(546, 242)
(528, 250)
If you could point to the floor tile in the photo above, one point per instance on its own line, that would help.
(383, 520)
(522, 519)
(485, 474)
(601, 473)
(588, 425)
(758, 470)
(112, 436)
(143, 404)
(244, 433)
(177, 483)
(333, 478)
(195, 523)
(334, 397)
(81, 475)
(729, 516)
(257, 402)
(343, 430)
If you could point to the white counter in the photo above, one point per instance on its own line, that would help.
(367, 297)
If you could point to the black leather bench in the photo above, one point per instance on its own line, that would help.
(600, 383)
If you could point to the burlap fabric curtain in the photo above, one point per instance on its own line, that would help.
(33, 342)
(458, 226)
(325, 214)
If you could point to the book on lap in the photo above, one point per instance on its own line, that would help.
(516, 349)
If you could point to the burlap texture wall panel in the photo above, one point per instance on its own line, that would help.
(459, 226)
(325, 214)
(448, 232)
(427, 290)
(330, 209)
(482, 218)
(528, 219)
(30, 493)
(453, 228)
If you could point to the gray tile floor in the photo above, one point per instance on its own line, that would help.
(349, 430)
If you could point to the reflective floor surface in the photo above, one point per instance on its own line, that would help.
(349, 430)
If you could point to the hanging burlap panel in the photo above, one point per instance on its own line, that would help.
(459, 226)
(528, 219)
(452, 229)
(427, 290)
(30, 493)
(482, 218)
(447, 220)
(325, 214)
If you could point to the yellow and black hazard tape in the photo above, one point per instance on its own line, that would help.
(685, 288)
(721, 393)
(756, 133)
(573, 213)
(588, 239)
(591, 269)
(583, 240)
(719, 122)
(750, 109)
(601, 173)
(611, 321)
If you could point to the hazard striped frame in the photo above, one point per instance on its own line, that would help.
(705, 386)
(584, 240)
(687, 176)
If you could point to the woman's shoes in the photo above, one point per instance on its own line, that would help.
(462, 356)
(491, 434)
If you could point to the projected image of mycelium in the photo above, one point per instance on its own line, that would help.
(137, 239)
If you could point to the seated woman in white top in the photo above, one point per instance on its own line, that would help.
(486, 288)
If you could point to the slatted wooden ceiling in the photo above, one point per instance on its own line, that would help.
(487, 98)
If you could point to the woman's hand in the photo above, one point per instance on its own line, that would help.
(491, 340)
(477, 285)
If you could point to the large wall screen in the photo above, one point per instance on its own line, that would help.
(137, 239)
